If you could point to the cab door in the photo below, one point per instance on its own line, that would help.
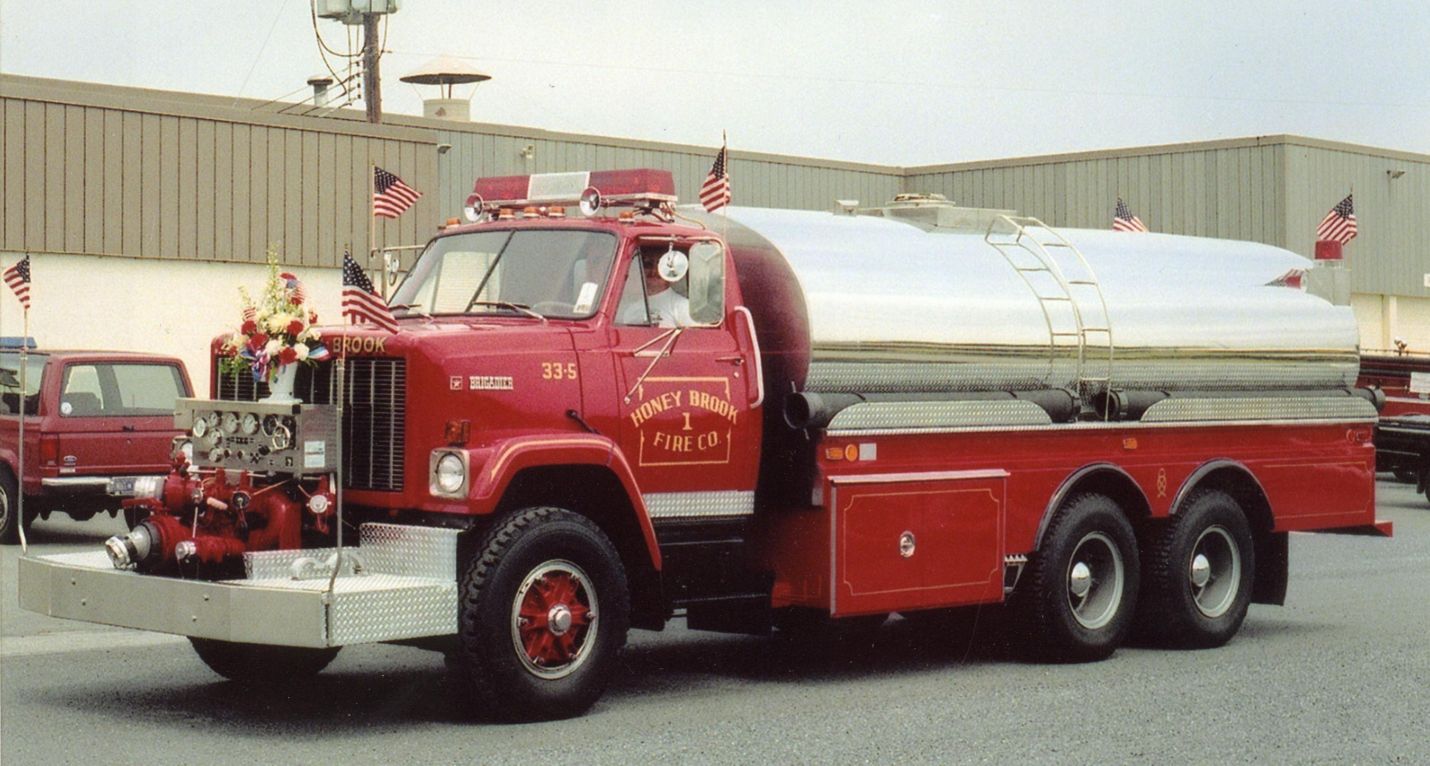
(688, 393)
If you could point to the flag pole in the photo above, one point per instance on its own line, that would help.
(20, 479)
(341, 393)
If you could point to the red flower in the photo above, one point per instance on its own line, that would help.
(249, 327)
(258, 341)
(295, 327)
(312, 317)
(287, 355)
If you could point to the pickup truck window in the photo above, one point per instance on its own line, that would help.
(10, 382)
(555, 273)
(116, 389)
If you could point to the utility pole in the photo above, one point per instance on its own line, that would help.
(371, 90)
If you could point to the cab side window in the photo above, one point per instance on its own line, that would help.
(632, 309)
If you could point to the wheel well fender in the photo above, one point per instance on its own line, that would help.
(1272, 548)
(1102, 478)
(562, 462)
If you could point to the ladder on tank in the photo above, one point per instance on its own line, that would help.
(1032, 248)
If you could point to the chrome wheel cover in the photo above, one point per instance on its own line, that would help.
(1094, 581)
(1214, 571)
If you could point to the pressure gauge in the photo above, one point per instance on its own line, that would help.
(281, 438)
(230, 423)
(270, 424)
(200, 428)
(211, 420)
(250, 424)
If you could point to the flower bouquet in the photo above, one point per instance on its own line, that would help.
(277, 332)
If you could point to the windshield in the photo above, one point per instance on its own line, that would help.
(555, 273)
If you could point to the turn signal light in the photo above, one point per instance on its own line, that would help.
(49, 450)
(457, 432)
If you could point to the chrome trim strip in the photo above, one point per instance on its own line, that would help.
(700, 505)
(919, 417)
(77, 482)
(883, 478)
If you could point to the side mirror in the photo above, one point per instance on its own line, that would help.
(707, 282)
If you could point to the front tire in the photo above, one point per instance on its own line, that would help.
(1200, 570)
(1080, 589)
(545, 607)
(261, 664)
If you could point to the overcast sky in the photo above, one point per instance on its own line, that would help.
(895, 83)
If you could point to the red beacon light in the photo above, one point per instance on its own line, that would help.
(644, 188)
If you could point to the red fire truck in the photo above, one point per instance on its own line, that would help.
(601, 420)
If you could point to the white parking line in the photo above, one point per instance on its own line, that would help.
(62, 642)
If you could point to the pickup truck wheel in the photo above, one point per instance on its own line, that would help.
(1078, 593)
(543, 616)
(261, 664)
(1199, 572)
(1406, 475)
(9, 511)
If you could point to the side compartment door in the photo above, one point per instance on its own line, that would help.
(916, 541)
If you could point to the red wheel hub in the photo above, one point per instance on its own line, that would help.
(553, 619)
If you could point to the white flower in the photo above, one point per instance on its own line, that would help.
(274, 346)
(279, 322)
(301, 349)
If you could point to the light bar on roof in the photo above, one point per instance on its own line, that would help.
(617, 187)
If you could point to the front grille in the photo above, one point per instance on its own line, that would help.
(374, 414)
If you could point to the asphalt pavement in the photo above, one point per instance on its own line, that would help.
(1340, 674)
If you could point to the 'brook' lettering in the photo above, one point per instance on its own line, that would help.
(351, 345)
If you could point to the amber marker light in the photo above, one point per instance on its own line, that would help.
(833, 453)
(1129, 443)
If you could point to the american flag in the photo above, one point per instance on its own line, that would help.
(18, 278)
(715, 193)
(390, 196)
(298, 295)
(1339, 225)
(360, 302)
(1124, 220)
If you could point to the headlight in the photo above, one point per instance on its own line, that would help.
(449, 474)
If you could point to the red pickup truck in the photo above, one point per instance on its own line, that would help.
(94, 422)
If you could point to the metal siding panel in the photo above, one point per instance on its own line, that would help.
(15, 174)
(132, 239)
(112, 222)
(342, 201)
(294, 210)
(169, 185)
(326, 239)
(1256, 192)
(204, 191)
(360, 196)
(277, 156)
(188, 198)
(91, 212)
(244, 208)
(312, 211)
(54, 200)
(151, 180)
(223, 188)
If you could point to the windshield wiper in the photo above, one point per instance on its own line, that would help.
(412, 308)
(519, 307)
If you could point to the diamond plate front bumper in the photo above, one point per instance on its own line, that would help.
(407, 589)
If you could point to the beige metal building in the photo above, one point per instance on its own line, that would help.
(143, 210)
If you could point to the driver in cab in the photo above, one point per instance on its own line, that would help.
(667, 307)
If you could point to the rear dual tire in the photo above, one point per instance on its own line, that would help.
(1198, 579)
(1080, 589)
